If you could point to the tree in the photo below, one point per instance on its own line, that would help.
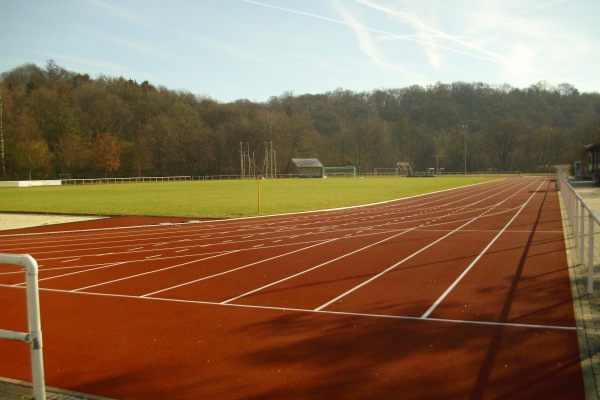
(164, 132)
(504, 136)
(72, 153)
(107, 153)
(30, 150)
(33, 154)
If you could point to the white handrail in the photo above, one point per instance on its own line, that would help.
(577, 209)
(34, 337)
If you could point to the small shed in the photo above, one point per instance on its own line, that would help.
(590, 162)
(309, 167)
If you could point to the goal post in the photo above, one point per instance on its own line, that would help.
(386, 172)
(348, 171)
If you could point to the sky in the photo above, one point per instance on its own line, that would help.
(230, 50)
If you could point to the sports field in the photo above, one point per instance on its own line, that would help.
(221, 199)
(456, 294)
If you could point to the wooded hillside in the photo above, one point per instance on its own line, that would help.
(57, 123)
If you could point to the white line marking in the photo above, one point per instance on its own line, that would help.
(154, 271)
(409, 257)
(466, 271)
(80, 272)
(238, 268)
(316, 267)
(392, 267)
(323, 312)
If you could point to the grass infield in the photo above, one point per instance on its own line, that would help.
(221, 199)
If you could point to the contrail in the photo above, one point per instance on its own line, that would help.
(487, 55)
(366, 28)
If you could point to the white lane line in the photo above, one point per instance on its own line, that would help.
(77, 272)
(316, 267)
(155, 271)
(412, 255)
(481, 254)
(393, 266)
(322, 312)
(238, 268)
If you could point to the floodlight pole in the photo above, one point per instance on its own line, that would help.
(466, 128)
(242, 160)
(258, 192)
(2, 139)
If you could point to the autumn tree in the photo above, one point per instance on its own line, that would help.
(163, 132)
(107, 153)
(31, 151)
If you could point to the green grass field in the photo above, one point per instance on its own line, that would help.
(221, 199)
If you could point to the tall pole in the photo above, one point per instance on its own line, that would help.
(242, 160)
(2, 140)
(465, 127)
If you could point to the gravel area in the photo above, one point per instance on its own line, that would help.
(17, 221)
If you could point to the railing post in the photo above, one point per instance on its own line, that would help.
(582, 234)
(575, 220)
(34, 337)
(590, 283)
(579, 209)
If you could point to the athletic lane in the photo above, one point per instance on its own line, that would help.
(416, 281)
(310, 283)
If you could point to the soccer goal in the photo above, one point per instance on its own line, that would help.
(386, 172)
(339, 171)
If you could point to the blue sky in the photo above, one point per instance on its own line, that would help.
(246, 49)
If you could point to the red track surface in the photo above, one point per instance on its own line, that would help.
(454, 295)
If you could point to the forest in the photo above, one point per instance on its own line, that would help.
(61, 124)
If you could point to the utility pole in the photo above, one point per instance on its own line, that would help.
(2, 139)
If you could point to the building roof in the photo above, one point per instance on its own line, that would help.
(307, 162)
(592, 147)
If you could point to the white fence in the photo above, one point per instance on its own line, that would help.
(585, 225)
(34, 337)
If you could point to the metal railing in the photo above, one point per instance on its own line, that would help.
(585, 224)
(34, 336)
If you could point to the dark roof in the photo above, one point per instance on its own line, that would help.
(307, 162)
(592, 147)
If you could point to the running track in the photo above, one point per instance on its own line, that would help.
(461, 294)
